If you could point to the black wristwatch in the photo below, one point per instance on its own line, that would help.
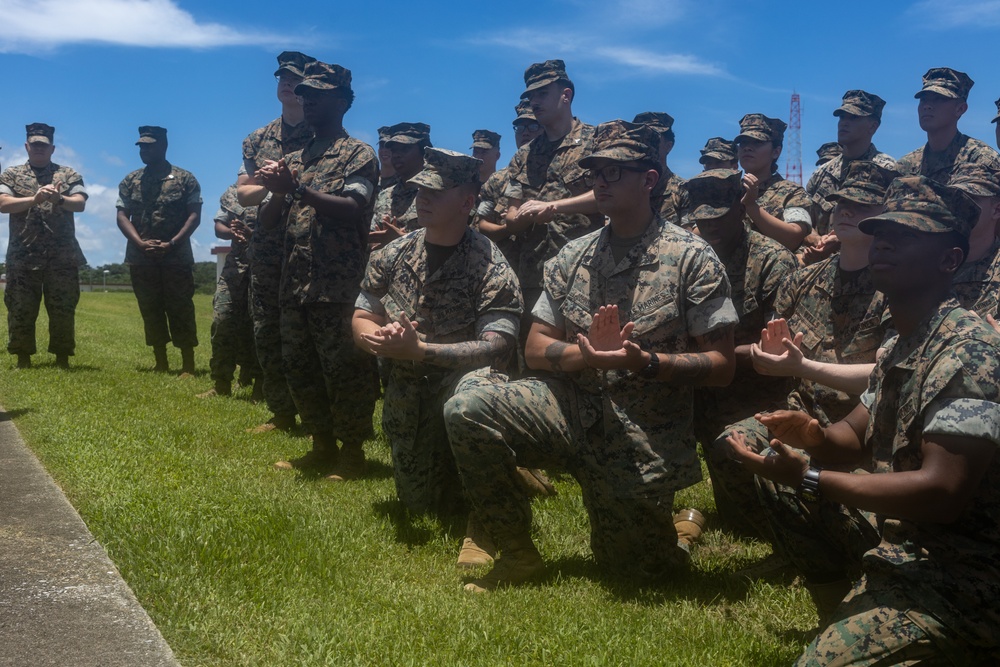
(298, 193)
(809, 489)
(652, 369)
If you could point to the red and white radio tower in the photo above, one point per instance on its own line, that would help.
(793, 144)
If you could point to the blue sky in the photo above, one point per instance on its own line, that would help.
(97, 69)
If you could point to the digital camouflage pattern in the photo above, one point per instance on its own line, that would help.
(165, 294)
(331, 381)
(927, 206)
(669, 197)
(399, 203)
(860, 103)
(864, 183)
(755, 271)
(325, 256)
(40, 132)
(60, 284)
(825, 153)
(158, 201)
(940, 165)
(485, 139)
(492, 205)
(232, 328)
(323, 76)
(151, 134)
(45, 234)
(292, 62)
(946, 82)
(759, 127)
(621, 141)
(718, 148)
(714, 193)
(830, 177)
(408, 133)
(776, 194)
(445, 169)
(549, 171)
(474, 291)
(976, 285)
(271, 142)
(627, 440)
(539, 75)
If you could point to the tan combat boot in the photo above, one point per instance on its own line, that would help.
(518, 563)
(534, 482)
(689, 524)
(351, 464)
(477, 547)
(322, 458)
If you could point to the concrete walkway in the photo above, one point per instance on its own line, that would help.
(62, 601)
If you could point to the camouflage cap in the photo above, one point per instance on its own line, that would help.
(997, 117)
(40, 133)
(621, 141)
(540, 75)
(383, 134)
(658, 120)
(947, 83)
(523, 111)
(408, 133)
(718, 148)
(860, 103)
(293, 62)
(444, 169)
(919, 203)
(485, 139)
(324, 76)
(150, 134)
(759, 127)
(864, 183)
(714, 193)
(827, 152)
(975, 179)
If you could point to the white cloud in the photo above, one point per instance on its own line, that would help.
(945, 14)
(580, 46)
(33, 25)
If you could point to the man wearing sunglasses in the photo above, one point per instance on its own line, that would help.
(633, 317)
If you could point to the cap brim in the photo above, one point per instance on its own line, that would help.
(917, 221)
(402, 139)
(429, 179)
(851, 110)
(146, 140)
(857, 195)
(39, 138)
(716, 156)
(943, 92)
(315, 85)
(611, 155)
(482, 144)
(290, 70)
(706, 212)
(756, 136)
(538, 84)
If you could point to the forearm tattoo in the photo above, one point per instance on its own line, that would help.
(554, 354)
(693, 368)
(490, 348)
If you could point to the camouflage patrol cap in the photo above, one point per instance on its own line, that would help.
(919, 203)
(827, 152)
(324, 76)
(713, 193)
(975, 179)
(622, 141)
(523, 111)
(408, 133)
(40, 133)
(759, 127)
(151, 134)
(383, 134)
(293, 62)
(864, 183)
(658, 120)
(947, 83)
(444, 169)
(485, 139)
(997, 117)
(860, 103)
(540, 75)
(718, 148)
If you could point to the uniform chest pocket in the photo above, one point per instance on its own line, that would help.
(453, 318)
(654, 312)
(327, 184)
(577, 311)
(866, 340)
(394, 306)
(573, 179)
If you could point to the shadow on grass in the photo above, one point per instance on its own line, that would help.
(6, 416)
(417, 529)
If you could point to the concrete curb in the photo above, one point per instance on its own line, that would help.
(62, 600)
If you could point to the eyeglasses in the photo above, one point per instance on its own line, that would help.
(611, 174)
(290, 80)
(527, 127)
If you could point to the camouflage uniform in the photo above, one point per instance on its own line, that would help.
(331, 380)
(474, 291)
(232, 329)
(43, 257)
(549, 171)
(963, 150)
(669, 197)
(776, 195)
(929, 589)
(275, 140)
(398, 201)
(492, 206)
(158, 201)
(627, 441)
(825, 153)
(830, 177)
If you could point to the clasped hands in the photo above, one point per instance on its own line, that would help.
(397, 340)
(277, 177)
(608, 345)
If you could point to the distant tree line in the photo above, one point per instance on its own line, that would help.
(204, 275)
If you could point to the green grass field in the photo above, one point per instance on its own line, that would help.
(239, 564)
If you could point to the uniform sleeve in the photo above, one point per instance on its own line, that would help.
(73, 182)
(124, 200)
(361, 174)
(193, 191)
(368, 301)
(706, 291)
(375, 280)
(514, 188)
(499, 298)
(7, 183)
(966, 405)
(547, 310)
(779, 265)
